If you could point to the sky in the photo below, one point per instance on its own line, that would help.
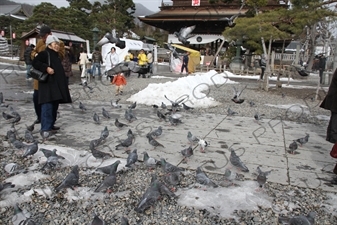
(150, 4)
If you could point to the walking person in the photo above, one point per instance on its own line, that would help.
(128, 57)
(83, 61)
(321, 67)
(96, 62)
(142, 62)
(55, 90)
(185, 63)
(119, 81)
(28, 60)
(263, 66)
(330, 103)
(150, 62)
(111, 60)
(66, 63)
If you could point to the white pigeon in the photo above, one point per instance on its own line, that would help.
(203, 144)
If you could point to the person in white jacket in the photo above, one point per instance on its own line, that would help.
(83, 60)
(111, 60)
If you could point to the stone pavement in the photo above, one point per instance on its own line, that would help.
(265, 144)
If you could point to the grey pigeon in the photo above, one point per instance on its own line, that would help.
(149, 161)
(184, 34)
(251, 103)
(52, 161)
(119, 124)
(82, 107)
(6, 185)
(130, 134)
(237, 93)
(124, 221)
(203, 179)
(96, 118)
(99, 154)
(172, 178)
(31, 149)
(31, 127)
(155, 106)
(293, 147)
(129, 116)
(258, 117)
(231, 20)
(29, 136)
(112, 38)
(7, 116)
(150, 197)
(303, 140)
(125, 143)
(173, 50)
(169, 168)
(164, 190)
(191, 138)
(236, 161)
(230, 175)
(174, 120)
(157, 132)
(112, 168)
(104, 133)
(230, 112)
(133, 105)
(20, 216)
(97, 221)
(161, 116)
(187, 152)
(203, 144)
(94, 143)
(153, 142)
(70, 180)
(105, 113)
(186, 107)
(175, 104)
(115, 104)
(46, 134)
(47, 153)
(108, 182)
(132, 158)
(17, 144)
(163, 105)
(298, 220)
(262, 177)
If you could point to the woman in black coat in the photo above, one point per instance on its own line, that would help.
(55, 90)
(330, 103)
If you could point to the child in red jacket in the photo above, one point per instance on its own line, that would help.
(119, 81)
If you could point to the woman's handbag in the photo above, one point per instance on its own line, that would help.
(38, 75)
(333, 152)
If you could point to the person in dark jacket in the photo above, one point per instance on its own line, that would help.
(262, 66)
(96, 60)
(185, 63)
(330, 103)
(28, 60)
(55, 90)
(321, 67)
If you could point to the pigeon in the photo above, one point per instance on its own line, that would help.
(186, 107)
(155, 106)
(164, 190)
(236, 161)
(112, 38)
(20, 216)
(47, 153)
(124, 221)
(184, 34)
(31, 127)
(46, 134)
(237, 93)
(52, 160)
(172, 178)
(203, 144)
(292, 147)
(82, 107)
(283, 95)
(230, 175)
(29, 136)
(130, 134)
(173, 50)
(31, 149)
(17, 144)
(191, 138)
(6, 185)
(150, 197)
(125, 143)
(169, 168)
(84, 83)
(99, 154)
(187, 152)
(112, 168)
(96, 118)
(161, 116)
(153, 142)
(163, 105)
(115, 104)
(97, 221)
(105, 113)
(174, 120)
(149, 161)
(133, 105)
(129, 116)
(132, 158)
(303, 140)
(175, 104)
(203, 179)
(157, 132)
(299, 220)
(70, 180)
(7, 116)
(104, 133)
(94, 143)
(262, 177)
(108, 182)
(230, 112)
(251, 104)
(231, 20)
(119, 124)
(258, 117)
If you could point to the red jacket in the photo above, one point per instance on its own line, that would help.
(119, 80)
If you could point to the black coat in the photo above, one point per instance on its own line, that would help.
(56, 88)
(330, 100)
(26, 55)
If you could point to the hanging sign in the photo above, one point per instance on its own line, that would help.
(195, 2)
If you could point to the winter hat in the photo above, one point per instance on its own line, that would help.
(44, 30)
(51, 39)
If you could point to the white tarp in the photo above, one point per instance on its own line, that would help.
(197, 39)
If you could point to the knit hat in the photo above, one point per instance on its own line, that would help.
(44, 30)
(51, 39)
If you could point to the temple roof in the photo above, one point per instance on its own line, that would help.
(17, 11)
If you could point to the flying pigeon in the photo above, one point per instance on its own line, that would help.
(104, 133)
(303, 140)
(184, 34)
(173, 50)
(82, 107)
(231, 20)
(132, 158)
(96, 118)
(31, 149)
(203, 144)
(112, 168)
(186, 107)
(108, 182)
(149, 161)
(153, 142)
(192, 139)
(119, 124)
(262, 177)
(203, 179)
(236, 161)
(105, 113)
(115, 104)
(175, 104)
(168, 167)
(157, 132)
(70, 180)
(237, 93)
(293, 147)
(112, 38)
(298, 220)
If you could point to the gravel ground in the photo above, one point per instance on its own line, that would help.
(56, 209)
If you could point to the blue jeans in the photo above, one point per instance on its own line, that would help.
(48, 115)
(28, 67)
(150, 67)
(94, 66)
